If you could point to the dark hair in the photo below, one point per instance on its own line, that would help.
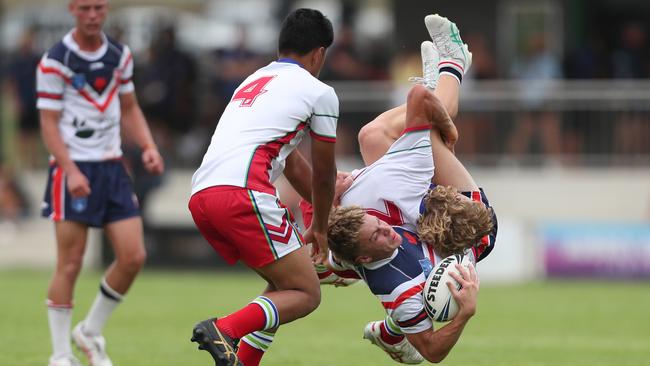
(304, 30)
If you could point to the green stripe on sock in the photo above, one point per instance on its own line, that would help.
(266, 307)
(268, 334)
(392, 326)
(255, 343)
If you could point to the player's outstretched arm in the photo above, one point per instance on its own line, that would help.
(434, 346)
(424, 108)
(376, 137)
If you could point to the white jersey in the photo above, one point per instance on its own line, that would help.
(266, 118)
(84, 87)
(392, 188)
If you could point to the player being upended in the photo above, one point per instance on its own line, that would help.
(394, 190)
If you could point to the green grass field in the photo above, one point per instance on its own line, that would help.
(555, 324)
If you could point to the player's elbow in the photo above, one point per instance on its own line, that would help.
(433, 351)
(434, 356)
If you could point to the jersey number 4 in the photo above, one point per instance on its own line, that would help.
(248, 93)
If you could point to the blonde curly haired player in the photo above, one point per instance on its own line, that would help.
(399, 203)
(394, 261)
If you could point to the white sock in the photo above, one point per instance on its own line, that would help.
(106, 301)
(60, 319)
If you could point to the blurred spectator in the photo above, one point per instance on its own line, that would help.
(589, 61)
(168, 83)
(535, 71)
(631, 134)
(233, 65)
(143, 182)
(483, 58)
(378, 56)
(405, 64)
(630, 60)
(477, 130)
(13, 202)
(343, 59)
(21, 85)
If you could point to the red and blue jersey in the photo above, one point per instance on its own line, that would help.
(398, 281)
(85, 86)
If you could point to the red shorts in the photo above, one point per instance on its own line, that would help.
(244, 224)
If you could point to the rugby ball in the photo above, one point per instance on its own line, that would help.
(438, 302)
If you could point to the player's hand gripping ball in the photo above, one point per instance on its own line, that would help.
(438, 301)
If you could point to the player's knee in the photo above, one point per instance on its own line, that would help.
(134, 262)
(71, 268)
(313, 299)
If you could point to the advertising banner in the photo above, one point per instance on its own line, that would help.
(596, 250)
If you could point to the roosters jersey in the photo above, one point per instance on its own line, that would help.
(266, 118)
(84, 87)
(398, 281)
(392, 187)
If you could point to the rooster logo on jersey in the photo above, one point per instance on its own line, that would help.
(82, 131)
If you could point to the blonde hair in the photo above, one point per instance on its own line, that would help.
(451, 224)
(343, 232)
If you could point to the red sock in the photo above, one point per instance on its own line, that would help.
(246, 320)
(249, 356)
(387, 337)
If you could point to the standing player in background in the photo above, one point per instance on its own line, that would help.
(85, 94)
(235, 205)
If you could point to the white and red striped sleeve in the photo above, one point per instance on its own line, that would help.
(323, 121)
(410, 315)
(406, 307)
(126, 72)
(51, 78)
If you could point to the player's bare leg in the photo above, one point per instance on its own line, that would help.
(454, 60)
(376, 137)
(449, 170)
(253, 346)
(71, 244)
(298, 290)
(293, 293)
(425, 109)
(126, 237)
